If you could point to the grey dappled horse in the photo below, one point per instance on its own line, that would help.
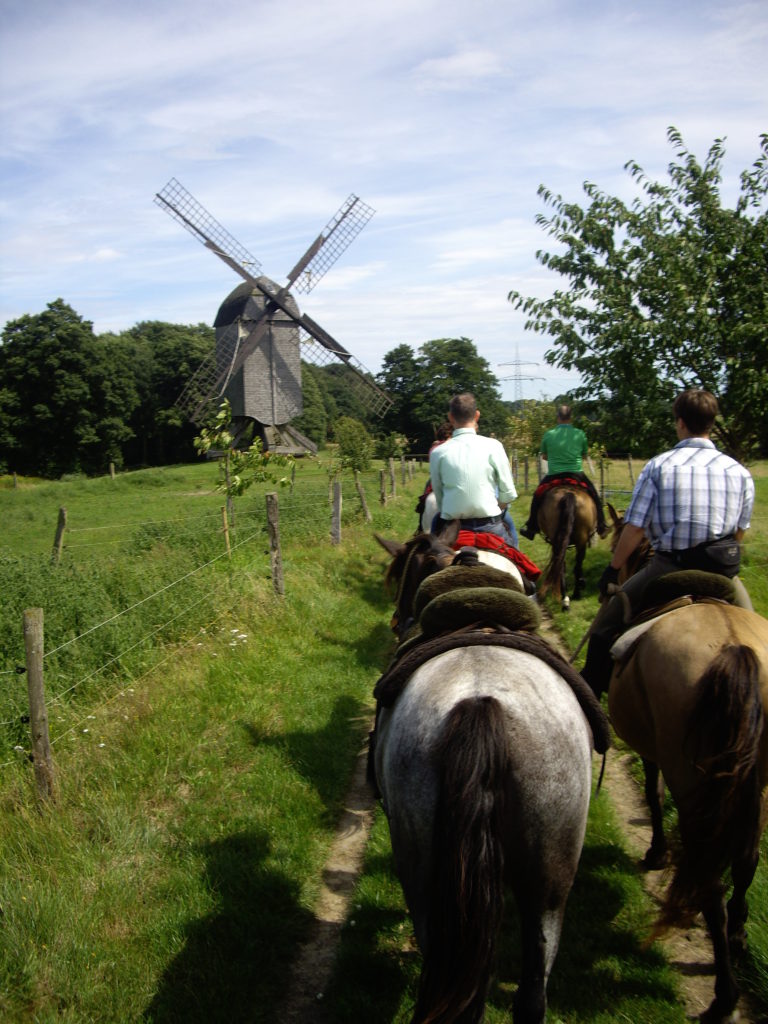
(484, 768)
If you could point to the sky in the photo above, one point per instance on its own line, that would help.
(444, 116)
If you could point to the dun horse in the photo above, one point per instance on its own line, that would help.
(691, 698)
(567, 517)
(483, 763)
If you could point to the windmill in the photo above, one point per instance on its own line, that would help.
(261, 335)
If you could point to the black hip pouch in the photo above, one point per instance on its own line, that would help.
(722, 556)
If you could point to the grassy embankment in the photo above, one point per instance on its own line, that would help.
(203, 743)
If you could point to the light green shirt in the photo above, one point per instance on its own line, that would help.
(563, 446)
(470, 475)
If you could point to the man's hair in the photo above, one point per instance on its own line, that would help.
(697, 409)
(444, 431)
(463, 407)
(563, 413)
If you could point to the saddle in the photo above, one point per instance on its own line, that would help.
(480, 612)
(666, 594)
(561, 481)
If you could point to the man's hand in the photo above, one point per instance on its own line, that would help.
(610, 577)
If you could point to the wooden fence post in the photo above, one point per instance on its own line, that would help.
(403, 477)
(336, 518)
(58, 541)
(631, 471)
(293, 476)
(382, 487)
(392, 482)
(225, 529)
(602, 479)
(38, 716)
(112, 470)
(15, 481)
(273, 528)
(525, 471)
(538, 467)
(361, 495)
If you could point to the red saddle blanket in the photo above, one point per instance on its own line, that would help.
(568, 481)
(491, 542)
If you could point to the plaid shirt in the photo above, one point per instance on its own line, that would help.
(691, 494)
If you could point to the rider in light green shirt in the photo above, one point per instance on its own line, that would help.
(564, 447)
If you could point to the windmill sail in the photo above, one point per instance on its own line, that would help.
(254, 326)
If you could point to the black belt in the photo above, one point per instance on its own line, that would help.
(478, 521)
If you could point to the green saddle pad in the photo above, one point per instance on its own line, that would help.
(466, 605)
(687, 581)
(456, 576)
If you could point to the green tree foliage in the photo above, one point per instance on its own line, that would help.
(666, 293)
(162, 358)
(67, 399)
(423, 383)
(355, 444)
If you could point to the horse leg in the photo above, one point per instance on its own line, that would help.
(742, 872)
(540, 939)
(656, 854)
(578, 572)
(721, 1009)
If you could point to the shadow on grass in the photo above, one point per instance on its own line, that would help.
(602, 966)
(236, 961)
(323, 756)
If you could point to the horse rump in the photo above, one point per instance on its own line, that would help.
(721, 819)
(466, 897)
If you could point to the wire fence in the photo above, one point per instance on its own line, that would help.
(121, 620)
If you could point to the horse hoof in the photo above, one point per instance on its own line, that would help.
(714, 1015)
(654, 860)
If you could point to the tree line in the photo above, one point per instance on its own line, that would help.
(667, 292)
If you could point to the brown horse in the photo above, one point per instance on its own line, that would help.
(692, 701)
(567, 517)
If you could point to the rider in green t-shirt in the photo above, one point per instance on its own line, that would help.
(563, 447)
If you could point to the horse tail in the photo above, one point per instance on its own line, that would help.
(467, 892)
(566, 508)
(722, 818)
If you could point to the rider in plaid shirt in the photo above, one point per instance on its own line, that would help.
(685, 497)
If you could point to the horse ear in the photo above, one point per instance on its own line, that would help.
(614, 515)
(394, 547)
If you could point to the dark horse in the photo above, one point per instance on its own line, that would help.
(483, 763)
(692, 699)
(567, 517)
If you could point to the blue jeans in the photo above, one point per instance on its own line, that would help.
(504, 528)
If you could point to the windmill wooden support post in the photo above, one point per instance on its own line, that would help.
(38, 716)
(392, 481)
(225, 529)
(336, 517)
(361, 495)
(58, 541)
(276, 558)
(382, 487)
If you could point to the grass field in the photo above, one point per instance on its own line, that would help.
(200, 774)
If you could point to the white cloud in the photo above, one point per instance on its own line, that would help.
(445, 122)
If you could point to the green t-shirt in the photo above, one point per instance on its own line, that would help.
(564, 446)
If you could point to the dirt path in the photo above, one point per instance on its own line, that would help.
(689, 952)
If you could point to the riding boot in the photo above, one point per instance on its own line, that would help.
(599, 665)
(527, 531)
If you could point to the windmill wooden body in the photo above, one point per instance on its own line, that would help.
(262, 336)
